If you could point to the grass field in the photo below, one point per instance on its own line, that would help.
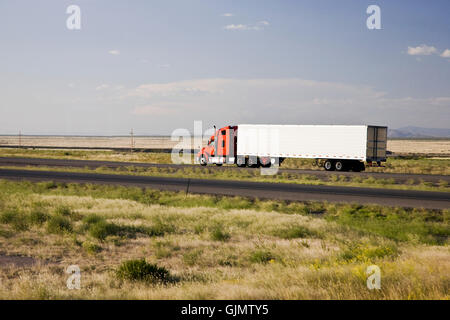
(204, 247)
(419, 165)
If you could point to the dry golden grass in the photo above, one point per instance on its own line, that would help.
(420, 146)
(158, 142)
(398, 146)
(307, 267)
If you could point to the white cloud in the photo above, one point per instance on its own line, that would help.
(155, 110)
(102, 86)
(114, 52)
(446, 53)
(242, 27)
(228, 15)
(285, 100)
(178, 89)
(259, 26)
(422, 50)
(239, 27)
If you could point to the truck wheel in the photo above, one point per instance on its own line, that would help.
(358, 166)
(203, 161)
(252, 162)
(328, 165)
(339, 165)
(241, 162)
(362, 166)
(265, 162)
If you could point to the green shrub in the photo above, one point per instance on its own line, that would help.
(7, 217)
(261, 256)
(38, 217)
(63, 211)
(5, 233)
(59, 224)
(294, 232)
(400, 224)
(99, 228)
(158, 229)
(141, 270)
(365, 253)
(92, 218)
(190, 258)
(102, 229)
(16, 219)
(90, 247)
(218, 234)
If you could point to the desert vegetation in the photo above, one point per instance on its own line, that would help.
(148, 244)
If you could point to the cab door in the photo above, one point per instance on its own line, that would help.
(222, 143)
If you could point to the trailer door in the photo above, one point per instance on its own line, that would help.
(376, 143)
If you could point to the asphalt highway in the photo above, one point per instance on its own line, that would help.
(321, 174)
(278, 191)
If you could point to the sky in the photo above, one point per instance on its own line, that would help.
(156, 66)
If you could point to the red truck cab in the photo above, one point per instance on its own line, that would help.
(221, 147)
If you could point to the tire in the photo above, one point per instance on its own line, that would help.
(358, 166)
(328, 165)
(339, 165)
(254, 164)
(219, 164)
(203, 161)
(265, 165)
(242, 165)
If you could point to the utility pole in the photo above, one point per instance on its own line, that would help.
(20, 139)
(132, 140)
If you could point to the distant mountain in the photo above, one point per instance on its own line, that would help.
(417, 132)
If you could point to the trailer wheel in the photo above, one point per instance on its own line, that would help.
(328, 165)
(203, 161)
(241, 161)
(265, 162)
(253, 162)
(339, 165)
(357, 166)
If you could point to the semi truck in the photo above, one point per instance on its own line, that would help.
(333, 147)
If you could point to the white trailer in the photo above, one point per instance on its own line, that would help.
(336, 147)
